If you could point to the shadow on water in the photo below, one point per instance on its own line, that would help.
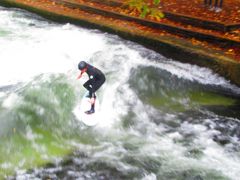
(169, 93)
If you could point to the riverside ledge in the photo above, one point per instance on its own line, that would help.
(169, 46)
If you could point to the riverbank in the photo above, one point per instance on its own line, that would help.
(171, 41)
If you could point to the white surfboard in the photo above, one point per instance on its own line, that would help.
(85, 105)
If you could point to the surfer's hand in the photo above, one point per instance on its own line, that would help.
(79, 76)
(92, 100)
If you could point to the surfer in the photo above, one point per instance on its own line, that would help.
(96, 80)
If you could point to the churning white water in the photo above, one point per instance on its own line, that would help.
(135, 137)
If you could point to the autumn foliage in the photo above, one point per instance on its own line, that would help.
(144, 8)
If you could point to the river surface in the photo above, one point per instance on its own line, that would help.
(159, 119)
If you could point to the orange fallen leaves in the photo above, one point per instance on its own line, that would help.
(193, 8)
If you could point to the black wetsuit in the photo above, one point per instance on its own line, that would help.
(96, 80)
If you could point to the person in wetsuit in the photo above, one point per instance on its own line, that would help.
(96, 80)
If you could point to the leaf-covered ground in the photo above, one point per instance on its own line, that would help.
(230, 10)
(229, 14)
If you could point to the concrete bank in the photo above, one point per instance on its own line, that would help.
(169, 46)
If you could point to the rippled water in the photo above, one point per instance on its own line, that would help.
(159, 119)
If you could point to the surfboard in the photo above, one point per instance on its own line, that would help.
(82, 107)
